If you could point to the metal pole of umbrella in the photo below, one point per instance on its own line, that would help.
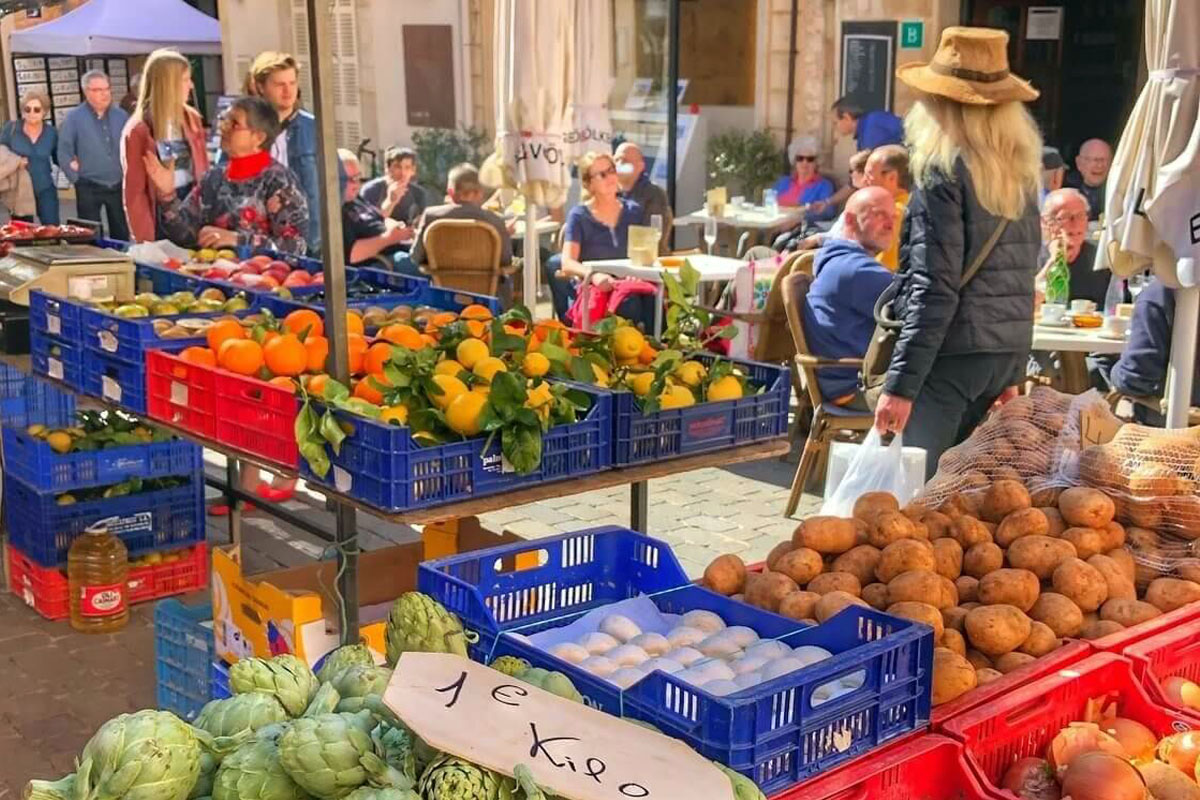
(672, 98)
(329, 215)
(531, 273)
(1183, 356)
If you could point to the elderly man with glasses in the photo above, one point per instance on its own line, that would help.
(366, 233)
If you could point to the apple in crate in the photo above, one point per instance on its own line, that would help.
(317, 279)
(296, 278)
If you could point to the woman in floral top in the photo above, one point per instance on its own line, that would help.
(250, 201)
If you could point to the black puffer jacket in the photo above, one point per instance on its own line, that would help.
(944, 230)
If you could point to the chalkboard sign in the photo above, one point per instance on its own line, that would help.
(869, 63)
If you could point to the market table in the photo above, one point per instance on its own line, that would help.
(1074, 344)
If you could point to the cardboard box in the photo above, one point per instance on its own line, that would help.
(295, 610)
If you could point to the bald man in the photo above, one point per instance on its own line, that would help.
(1090, 173)
(839, 310)
(636, 185)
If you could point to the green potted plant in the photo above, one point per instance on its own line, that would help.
(744, 162)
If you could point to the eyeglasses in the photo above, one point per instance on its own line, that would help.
(32, 109)
(805, 158)
(1066, 219)
(604, 173)
(353, 178)
(233, 123)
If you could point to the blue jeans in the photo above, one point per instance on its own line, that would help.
(562, 287)
(46, 203)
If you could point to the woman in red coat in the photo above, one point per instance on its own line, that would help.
(163, 124)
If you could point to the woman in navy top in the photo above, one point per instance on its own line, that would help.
(36, 141)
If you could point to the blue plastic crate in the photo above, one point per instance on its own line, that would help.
(163, 281)
(32, 460)
(27, 400)
(383, 466)
(12, 382)
(57, 358)
(773, 732)
(145, 522)
(219, 680)
(120, 381)
(54, 316)
(639, 438)
(128, 339)
(183, 654)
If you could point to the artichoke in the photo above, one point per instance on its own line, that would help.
(234, 720)
(149, 755)
(371, 793)
(330, 755)
(253, 772)
(325, 701)
(286, 677)
(451, 778)
(345, 656)
(555, 683)
(356, 682)
(527, 788)
(418, 623)
(208, 772)
(510, 665)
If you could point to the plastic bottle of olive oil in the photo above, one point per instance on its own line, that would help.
(98, 573)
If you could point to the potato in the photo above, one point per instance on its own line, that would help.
(801, 565)
(1119, 583)
(1014, 587)
(1128, 612)
(1114, 536)
(872, 504)
(778, 552)
(1152, 479)
(1144, 513)
(1013, 661)
(920, 612)
(1022, 522)
(1188, 569)
(876, 595)
(799, 605)
(1086, 541)
(1002, 498)
(937, 524)
(954, 641)
(1100, 629)
(830, 604)
(915, 511)
(967, 587)
(954, 617)
(1041, 555)
(1004, 472)
(995, 630)
(830, 535)
(1165, 782)
(968, 531)
(1141, 538)
(1059, 613)
(1081, 583)
(1168, 594)
(1097, 467)
(986, 675)
(1124, 560)
(890, 526)
(828, 582)
(982, 558)
(953, 676)
(768, 590)
(726, 575)
(1086, 508)
(978, 660)
(861, 531)
(860, 562)
(922, 586)
(1041, 640)
(1054, 521)
(948, 558)
(902, 556)
(959, 505)
(1046, 496)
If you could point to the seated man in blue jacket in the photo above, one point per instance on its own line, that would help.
(839, 311)
(1142, 369)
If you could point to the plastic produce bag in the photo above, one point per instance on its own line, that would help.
(158, 253)
(876, 467)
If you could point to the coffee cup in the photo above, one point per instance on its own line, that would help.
(1053, 314)
(1082, 306)
(1116, 327)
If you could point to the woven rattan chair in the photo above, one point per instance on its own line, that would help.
(464, 254)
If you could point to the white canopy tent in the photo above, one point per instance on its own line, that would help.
(122, 27)
(1152, 209)
(588, 124)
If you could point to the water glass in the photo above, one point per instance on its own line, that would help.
(656, 222)
(771, 201)
(710, 233)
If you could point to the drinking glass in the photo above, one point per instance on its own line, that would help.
(656, 222)
(710, 233)
(771, 201)
(1136, 283)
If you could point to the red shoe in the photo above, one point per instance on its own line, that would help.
(222, 509)
(269, 493)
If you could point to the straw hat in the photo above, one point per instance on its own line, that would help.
(970, 66)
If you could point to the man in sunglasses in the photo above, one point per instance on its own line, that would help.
(805, 185)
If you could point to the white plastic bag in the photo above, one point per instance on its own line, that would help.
(876, 467)
(157, 253)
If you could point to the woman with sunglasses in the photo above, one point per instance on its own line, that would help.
(806, 186)
(36, 142)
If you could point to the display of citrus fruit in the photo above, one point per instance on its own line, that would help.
(354, 323)
(366, 389)
(648, 354)
(203, 356)
(471, 350)
(242, 356)
(356, 347)
(535, 365)
(317, 350)
(475, 311)
(283, 382)
(465, 412)
(640, 383)
(727, 388)
(403, 335)
(376, 356)
(448, 367)
(285, 355)
(627, 342)
(397, 414)
(486, 368)
(451, 388)
(676, 397)
(316, 385)
(600, 373)
(305, 319)
(690, 373)
(222, 330)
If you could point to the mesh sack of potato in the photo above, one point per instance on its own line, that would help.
(1033, 439)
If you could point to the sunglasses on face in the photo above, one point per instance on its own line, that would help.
(805, 158)
(604, 173)
(32, 109)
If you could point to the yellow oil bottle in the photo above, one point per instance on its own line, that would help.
(98, 573)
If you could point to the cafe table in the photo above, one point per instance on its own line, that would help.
(758, 218)
(712, 269)
(542, 227)
(1073, 345)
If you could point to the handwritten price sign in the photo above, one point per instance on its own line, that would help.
(573, 751)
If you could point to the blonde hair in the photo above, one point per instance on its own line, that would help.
(999, 144)
(40, 96)
(586, 161)
(160, 102)
(264, 65)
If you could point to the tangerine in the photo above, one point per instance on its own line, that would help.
(448, 367)
(376, 356)
(366, 389)
(357, 347)
(305, 319)
(486, 368)
(535, 365)
(727, 388)
(403, 335)
(442, 319)
(283, 382)
(354, 323)
(465, 413)
(648, 354)
(451, 388)
(316, 384)
(476, 328)
(199, 355)
(285, 355)
(475, 311)
(222, 330)
(398, 414)
(241, 356)
(317, 348)
(469, 351)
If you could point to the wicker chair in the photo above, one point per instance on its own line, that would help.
(464, 254)
(829, 421)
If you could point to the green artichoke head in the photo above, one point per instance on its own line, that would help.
(233, 721)
(209, 762)
(418, 623)
(254, 772)
(451, 778)
(286, 677)
(325, 701)
(510, 665)
(324, 754)
(356, 682)
(345, 656)
(371, 793)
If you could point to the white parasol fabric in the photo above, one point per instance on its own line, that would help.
(115, 27)
(588, 124)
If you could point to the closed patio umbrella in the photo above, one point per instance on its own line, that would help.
(1152, 208)
(588, 124)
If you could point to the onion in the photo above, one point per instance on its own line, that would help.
(1032, 779)
(1181, 751)
(1079, 738)
(1182, 692)
(1136, 739)
(1101, 776)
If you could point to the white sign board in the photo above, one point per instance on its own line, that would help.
(1044, 23)
(573, 751)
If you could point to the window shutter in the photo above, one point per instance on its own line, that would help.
(299, 19)
(346, 90)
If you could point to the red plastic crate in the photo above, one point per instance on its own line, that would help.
(1121, 641)
(1172, 652)
(181, 393)
(924, 766)
(1022, 723)
(47, 591)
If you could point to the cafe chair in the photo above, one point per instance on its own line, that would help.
(464, 254)
(830, 422)
(1156, 404)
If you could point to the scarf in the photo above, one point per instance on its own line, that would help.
(244, 168)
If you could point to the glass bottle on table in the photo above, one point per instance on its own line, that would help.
(1058, 277)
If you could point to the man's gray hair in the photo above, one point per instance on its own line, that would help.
(1060, 194)
(91, 75)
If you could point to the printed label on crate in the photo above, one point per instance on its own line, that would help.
(708, 427)
(572, 750)
(497, 463)
(54, 368)
(179, 393)
(341, 479)
(108, 341)
(134, 523)
(53, 324)
(102, 601)
(110, 389)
